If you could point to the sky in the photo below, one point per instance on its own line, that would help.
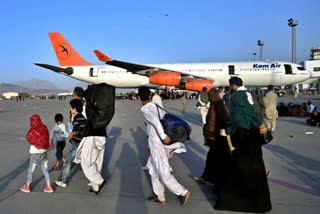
(150, 31)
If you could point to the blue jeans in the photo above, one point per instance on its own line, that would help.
(69, 158)
(35, 160)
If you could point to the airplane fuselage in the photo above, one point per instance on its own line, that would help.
(254, 74)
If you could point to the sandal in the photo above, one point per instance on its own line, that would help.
(199, 180)
(56, 168)
(155, 200)
(100, 188)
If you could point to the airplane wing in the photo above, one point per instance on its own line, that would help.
(144, 70)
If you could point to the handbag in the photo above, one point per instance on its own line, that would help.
(267, 138)
(266, 135)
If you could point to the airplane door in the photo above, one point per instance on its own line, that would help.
(94, 72)
(288, 69)
(231, 70)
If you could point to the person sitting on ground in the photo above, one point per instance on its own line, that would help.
(38, 137)
(304, 106)
(298, 111)
(291, 108)
(75, 137)
(310, 108)
(58, 137)
(283, 110)
(314, 118)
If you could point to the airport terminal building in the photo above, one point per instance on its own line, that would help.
(313, 65)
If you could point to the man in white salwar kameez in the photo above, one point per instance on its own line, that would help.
(203, 104)
(100, 108)
(90, 154)
(158, 162)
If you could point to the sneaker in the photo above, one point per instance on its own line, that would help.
(184, 199)
(61, 184)
(25, 188)
(48, 189)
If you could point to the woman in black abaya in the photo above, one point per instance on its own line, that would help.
(245, 188)
(218, 157)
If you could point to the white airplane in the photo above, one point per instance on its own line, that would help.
(185, 76)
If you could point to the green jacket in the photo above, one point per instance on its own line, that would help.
(243, 114)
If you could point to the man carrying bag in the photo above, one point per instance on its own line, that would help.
(100, 108)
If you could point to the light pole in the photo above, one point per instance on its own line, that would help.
(293, 23)
(254, 56)
(261, 44)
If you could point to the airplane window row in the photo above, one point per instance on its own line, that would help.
(104, 72)
(214, 69)
(200, 70)
(256, 69)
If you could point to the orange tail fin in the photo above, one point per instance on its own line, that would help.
(101, 56)
(66, 54)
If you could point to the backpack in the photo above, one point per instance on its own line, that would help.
(174, 127)
(100, 106)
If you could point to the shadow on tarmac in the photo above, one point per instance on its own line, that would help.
(7, 179)
(115, 132)
(141, 140)
(130, 182)
(297, 160)
(196, 165)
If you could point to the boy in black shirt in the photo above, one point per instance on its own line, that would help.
(78, 123)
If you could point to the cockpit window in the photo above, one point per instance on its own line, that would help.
(301, 68)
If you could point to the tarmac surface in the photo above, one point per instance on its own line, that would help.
(293, 158)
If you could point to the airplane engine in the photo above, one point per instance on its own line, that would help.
(197, 85)
(166, 78)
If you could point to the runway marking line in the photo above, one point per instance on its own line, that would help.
(295, 187)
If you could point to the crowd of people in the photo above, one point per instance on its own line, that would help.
(304, 110)
(234, 123)
(233, 129)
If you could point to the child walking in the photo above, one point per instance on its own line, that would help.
(58, 137)
(75, 137)
(38, 137)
